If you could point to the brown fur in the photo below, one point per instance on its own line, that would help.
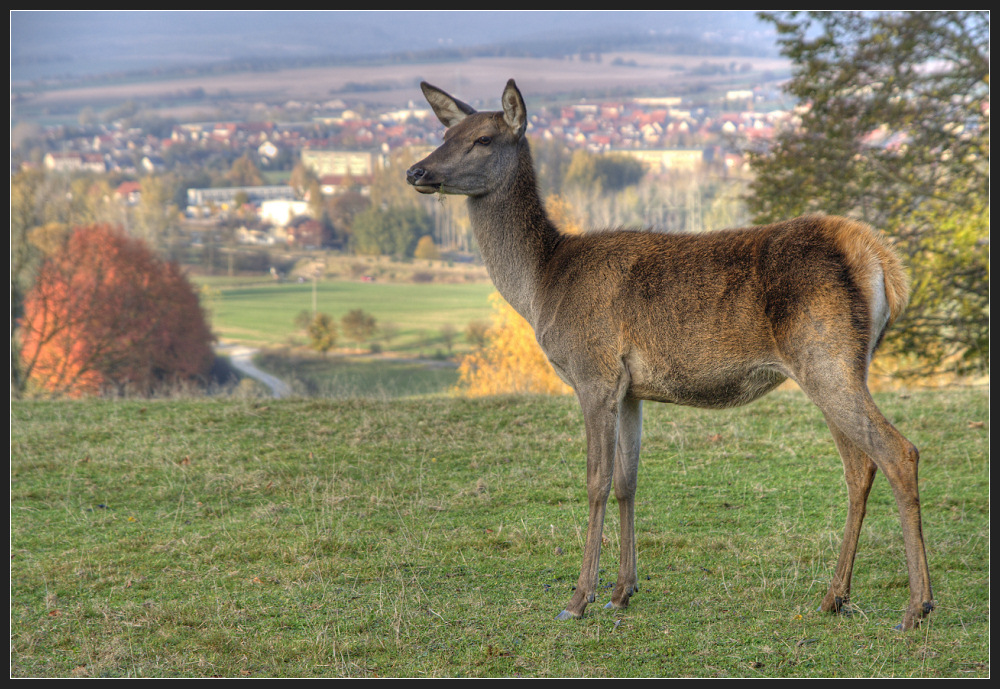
(712, 320)
(863, 247)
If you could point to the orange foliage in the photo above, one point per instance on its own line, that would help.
(511, 361)
(106, 313)
(562, 214)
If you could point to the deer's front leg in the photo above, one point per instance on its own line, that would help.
(601, 421)
(625, 478)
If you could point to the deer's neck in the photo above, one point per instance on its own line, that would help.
(515, 236)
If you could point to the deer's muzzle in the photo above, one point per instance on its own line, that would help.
(420, 179)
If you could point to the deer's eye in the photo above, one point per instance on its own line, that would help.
(484, 141)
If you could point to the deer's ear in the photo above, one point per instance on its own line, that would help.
(514, 112)
(449, 110)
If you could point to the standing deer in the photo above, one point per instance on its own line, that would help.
(708, 320)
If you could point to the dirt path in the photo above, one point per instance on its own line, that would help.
(242, 358)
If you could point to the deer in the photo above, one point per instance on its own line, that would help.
(708, 319)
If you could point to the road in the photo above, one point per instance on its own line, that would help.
(242, 358)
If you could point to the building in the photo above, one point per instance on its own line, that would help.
(74, 162)
(129, 192)
(331, 185)
(357, 164)
(660, 160)
(225, 197)
(281, 212)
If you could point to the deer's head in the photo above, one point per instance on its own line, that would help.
(480, 149)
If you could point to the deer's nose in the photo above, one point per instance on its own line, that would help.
(414, 174)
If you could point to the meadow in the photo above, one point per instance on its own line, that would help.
(358, 376)
(261, 313)
(439, 536)
(415, 357)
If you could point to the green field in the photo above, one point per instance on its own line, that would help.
(262, 314)
(343, 377)
(440, 536)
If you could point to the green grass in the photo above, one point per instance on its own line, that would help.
(342, 377)
(263, 313)
(440, 536)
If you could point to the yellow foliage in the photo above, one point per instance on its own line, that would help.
(427, 249)
(511, 361)
(562, 214)
(48, 238)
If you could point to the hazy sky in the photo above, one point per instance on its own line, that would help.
(52, 43)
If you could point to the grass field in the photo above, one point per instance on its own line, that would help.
(343, 377)
(440, 536)
(262, 314)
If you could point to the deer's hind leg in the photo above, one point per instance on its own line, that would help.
(864, 435)
(859, 472)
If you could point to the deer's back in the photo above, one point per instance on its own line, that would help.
(707, 311)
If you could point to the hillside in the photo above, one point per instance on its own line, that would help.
(439, 537)
(477, 79)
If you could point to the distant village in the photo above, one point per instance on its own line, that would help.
(669, 135)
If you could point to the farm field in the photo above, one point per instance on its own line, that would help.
(439, 536)
(481, 77)
(263, 314)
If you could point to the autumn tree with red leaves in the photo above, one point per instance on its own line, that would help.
(105, 314)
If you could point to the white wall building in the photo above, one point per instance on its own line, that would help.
(280, 211)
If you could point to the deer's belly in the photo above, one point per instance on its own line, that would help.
(718, 384)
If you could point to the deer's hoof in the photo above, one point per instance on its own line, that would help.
(567, 615)
(913, 620)
(834, 604)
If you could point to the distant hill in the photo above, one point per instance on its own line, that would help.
(68, 46)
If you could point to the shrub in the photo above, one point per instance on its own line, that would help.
(426, 249)
(322, 331)
(358, 325)
(476, 333)
(105, 314)
(511, 361)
